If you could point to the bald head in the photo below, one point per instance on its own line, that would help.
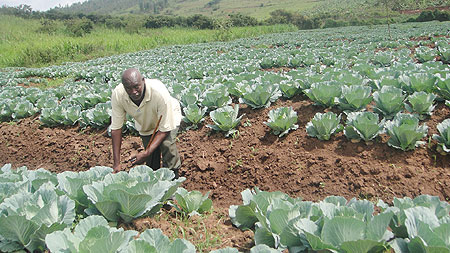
(131, 76)
(134, 84)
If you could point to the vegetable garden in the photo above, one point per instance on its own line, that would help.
(333, 139)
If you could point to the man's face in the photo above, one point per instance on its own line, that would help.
(135, 90)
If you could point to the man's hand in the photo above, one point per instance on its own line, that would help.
(117, 168)
(139, 158)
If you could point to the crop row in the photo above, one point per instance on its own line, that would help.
(38, 211)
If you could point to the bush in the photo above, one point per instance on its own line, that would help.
(79, 27)
(432, 15)
(243, 20)
(115, 23)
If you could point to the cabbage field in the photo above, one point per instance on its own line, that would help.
(331, 139)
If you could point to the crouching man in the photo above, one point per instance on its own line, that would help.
(147, 101)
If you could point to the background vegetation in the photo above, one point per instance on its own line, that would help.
(84, 31)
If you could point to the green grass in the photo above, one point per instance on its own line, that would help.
(21, 45)
(259, 9)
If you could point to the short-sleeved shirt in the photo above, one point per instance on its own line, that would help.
(157, 102)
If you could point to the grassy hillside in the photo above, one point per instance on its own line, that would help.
(260, 9)
(219, 8)
(256, 8)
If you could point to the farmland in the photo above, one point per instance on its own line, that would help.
(63, 127)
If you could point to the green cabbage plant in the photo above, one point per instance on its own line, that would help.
(420, 82)
(421, 224)
(225, 119)
(93, 234)
(388, 101)
(126, 196)
(281, 120)
(23, 109)
(192, 203)
(363, 126)
(260, 95)
(99, 116)
(355, 97)
(421, 103)
(194, 115)
(71, 183)
(26, 218)
(424, 54)
(334, 224)
(190, 96)
(216, 97)
(405, 132)
(324, 93)
(289, 88)
(443, 87)
(443, 138)
(323, 125)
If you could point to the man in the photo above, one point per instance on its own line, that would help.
(146, 100)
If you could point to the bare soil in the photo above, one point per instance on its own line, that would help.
(296, 164)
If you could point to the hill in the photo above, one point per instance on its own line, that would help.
(255, 8)
(260, 9)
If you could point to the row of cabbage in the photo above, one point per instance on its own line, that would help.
(38, 209)
(334, 224)
(325, 65)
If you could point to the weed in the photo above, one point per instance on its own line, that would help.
(247, 123)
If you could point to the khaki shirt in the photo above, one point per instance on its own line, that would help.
(157, 101)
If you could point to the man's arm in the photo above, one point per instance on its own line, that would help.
(157, 140)
(116, 144)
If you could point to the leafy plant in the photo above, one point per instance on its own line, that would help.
(125, 196)
(26, 218)
(421, 103)
(324, 93)
(382, 59)
(216, 97)
(60, 115)
(443, 138)
(424, 54)
(281, 120)
(443, 87)
(420, 82)
(334, 224)
(388, 101)
(420, 224)
(260, 95)
(363, 126)
(355, 97)
(190, 96)
(23, 109)
(289, 88)
(71, 183)
(225, 119)
(192, 203)
(92, 234)
(194, 115)
(405, 132)
(323, 125)
(99, 116)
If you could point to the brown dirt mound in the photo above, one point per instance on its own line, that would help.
(296, 164)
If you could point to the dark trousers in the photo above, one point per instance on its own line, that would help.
(168, 150)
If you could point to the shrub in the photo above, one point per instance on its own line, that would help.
(79, 27)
